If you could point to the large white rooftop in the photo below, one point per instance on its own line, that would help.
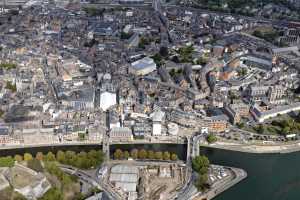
(107, 99)
(143, 63)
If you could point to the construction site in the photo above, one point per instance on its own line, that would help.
(146, 180)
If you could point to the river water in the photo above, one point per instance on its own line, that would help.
(270, 176)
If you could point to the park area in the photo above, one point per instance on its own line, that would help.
(28, 171)
(282, 125)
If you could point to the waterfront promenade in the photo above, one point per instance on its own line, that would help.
(256, 148)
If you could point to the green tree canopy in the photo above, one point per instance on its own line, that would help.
(126, 154)
(7, 161)
(211, 138)
(200, 164)
(142, 154)
(174, 157)
(158, 155)
(52, 194)
(201, 182)
(18, 158)
(166, 155)
(118, 154)
(61, 156)
(27, 156)
(39, 156)
(134, 153)
(50, 156)
(151, 155)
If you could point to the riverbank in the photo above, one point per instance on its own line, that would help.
(252, 148)
(236, 176)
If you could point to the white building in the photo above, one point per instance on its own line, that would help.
(157, 118)
(120, 134)
(107, 99)
(173, 129)
(261, 116)
(156, 128)
(143, 66)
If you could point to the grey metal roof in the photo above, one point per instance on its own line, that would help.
(126, 169)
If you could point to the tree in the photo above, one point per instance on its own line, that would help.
(151, 155)
(7, 161)
(200, 164)
(82, 161)
(35, 165)
(70, 155)
(27, 156)
(66, 180)
(142, 154)
(260, 129)
(93, 154)
(11, 86)
(125, 36)
(286, 130)
(118, 154)
(186, 53)
(211, 138)
(166, 155)
(52, 194)
(18, 158)
(50, 156)
(174, 157)
(158, 59)
(240, 125)
(61, 156)
(201, 182)
(134, 153)
(158, 155)
(81, 136)
(99, 157)
(53, 169)
(126, 154)
(39, 156)
(143, 42)
(94, 157)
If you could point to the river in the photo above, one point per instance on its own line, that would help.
(270, 176)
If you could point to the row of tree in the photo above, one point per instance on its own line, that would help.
(144, 154)
(82, 160)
